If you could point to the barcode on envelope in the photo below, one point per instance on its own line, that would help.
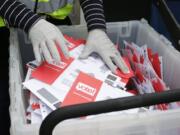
(67, 82)
(109, 82)
(75, 73)
(111, 77)
(47, 95)
(57, 105)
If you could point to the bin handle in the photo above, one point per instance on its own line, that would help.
(74, 111)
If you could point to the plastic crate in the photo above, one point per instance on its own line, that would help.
(146, 123)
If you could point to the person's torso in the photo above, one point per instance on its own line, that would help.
(47, 6)
(58, 9)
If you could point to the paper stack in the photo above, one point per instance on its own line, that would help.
(148, 69)
(73, 81)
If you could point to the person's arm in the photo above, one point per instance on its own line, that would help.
(94, 14)
(45, 37)
(98, 40)
(17, 15)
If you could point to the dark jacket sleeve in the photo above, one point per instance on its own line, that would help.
(94, 14)
(17, 14)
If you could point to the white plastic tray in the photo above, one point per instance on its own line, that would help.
(148, 123)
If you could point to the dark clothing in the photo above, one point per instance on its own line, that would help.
(94, 14)
(16, 14)
(4, 86)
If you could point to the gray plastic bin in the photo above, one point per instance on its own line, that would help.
(147, 123)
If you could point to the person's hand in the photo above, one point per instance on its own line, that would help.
(99, 42)
(44, 37)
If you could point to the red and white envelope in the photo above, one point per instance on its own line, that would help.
(53, 81)
(148, 70)
(89, 89)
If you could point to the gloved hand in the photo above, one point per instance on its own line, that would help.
(99, 42)
(44, 37)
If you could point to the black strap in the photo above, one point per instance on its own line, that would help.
(35, 6)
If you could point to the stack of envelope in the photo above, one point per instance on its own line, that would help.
(72, 81)
(148, 69)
